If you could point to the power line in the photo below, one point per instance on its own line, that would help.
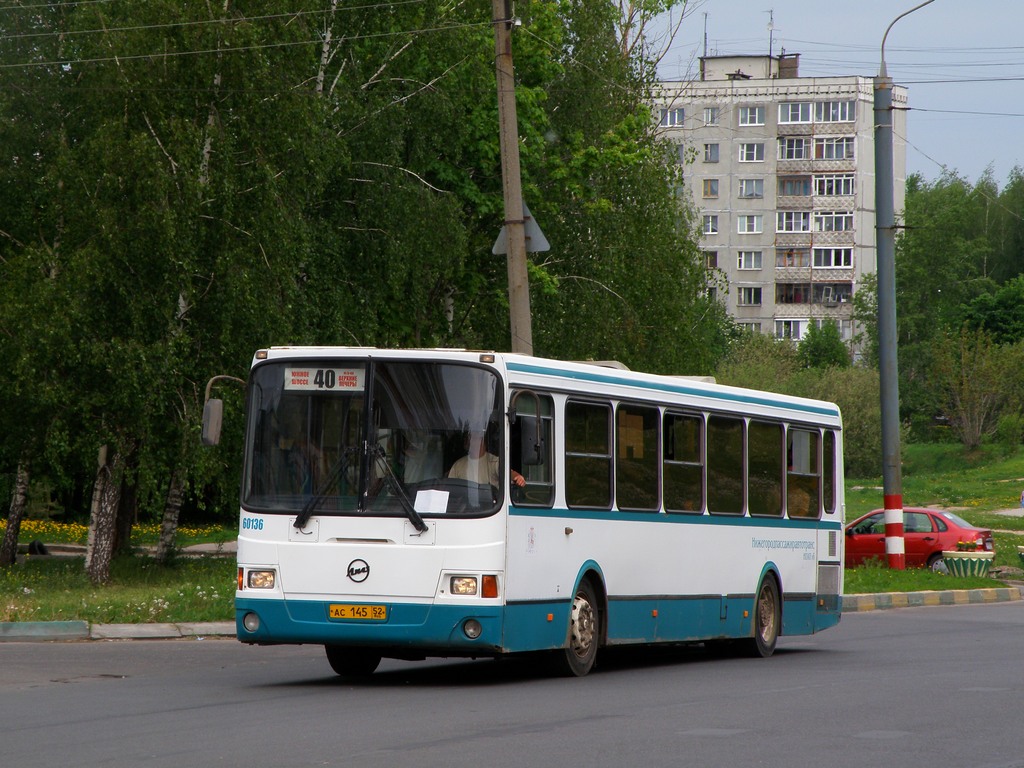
(202, 22)
(66, 63)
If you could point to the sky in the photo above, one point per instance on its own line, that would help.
(962, 62)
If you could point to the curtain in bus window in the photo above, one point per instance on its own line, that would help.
(764, 468)
(725, 464)
(803, 481)
(636, 458)
(683, 468)
(588, 477)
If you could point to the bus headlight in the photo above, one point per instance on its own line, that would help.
(472, 629)
(251, 622)
(262, 579)
(463, 585)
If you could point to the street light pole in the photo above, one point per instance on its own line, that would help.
(885, 225)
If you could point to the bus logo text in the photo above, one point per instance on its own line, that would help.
(358, 571)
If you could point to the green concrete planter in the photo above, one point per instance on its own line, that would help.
(968, 563)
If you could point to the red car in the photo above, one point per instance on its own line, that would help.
(926, 533)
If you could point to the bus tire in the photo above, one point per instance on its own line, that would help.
(766, 620)
(352, 662)
(584, 635)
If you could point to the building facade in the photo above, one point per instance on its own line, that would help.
(781, 170)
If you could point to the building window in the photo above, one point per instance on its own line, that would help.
(794, 186)
(750, 327)
(748, 260)
(750, 297)
(752, 188)
(833, 257)
(832, 293)
(711, 259)
(795, 112)
(750, 224)
(833, 221)
(793, 293)
(834, 185)
(710, 224)
(710, 115)
(793, 221)
(792, 257)
(752, 152)
(835, 112)
(710, 153)
(789, 329)
(794, 148)
(751, 115)
(672, 118)
(834, 148)
(710, 188)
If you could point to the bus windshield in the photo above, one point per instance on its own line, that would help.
(373, 437)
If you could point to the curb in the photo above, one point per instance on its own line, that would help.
(888, 600)
(27, 631)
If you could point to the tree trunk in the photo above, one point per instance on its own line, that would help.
(103, 518)
(9, 547)
(172, 509)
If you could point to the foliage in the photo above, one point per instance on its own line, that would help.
(969, 375)
(823, 347)
(196, 182)
(757, 361)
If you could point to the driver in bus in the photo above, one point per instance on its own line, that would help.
(480, 465)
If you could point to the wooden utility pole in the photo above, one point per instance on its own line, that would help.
(518, 278)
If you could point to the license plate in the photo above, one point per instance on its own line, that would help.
(360, 612)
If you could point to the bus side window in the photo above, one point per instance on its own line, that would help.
(588, 455)
(683, 467)
(529, 458)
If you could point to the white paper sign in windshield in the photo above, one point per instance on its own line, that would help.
(313, 379)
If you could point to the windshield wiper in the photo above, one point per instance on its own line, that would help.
(380, 460)
(337, 470)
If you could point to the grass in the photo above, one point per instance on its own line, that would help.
(196, 589)
(190, 589)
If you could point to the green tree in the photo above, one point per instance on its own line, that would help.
(969, 375)
(823, 347)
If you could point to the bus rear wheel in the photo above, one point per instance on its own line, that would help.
(352, 662)
(577, 658)
(767, 619)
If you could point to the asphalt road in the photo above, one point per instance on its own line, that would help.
(910, 687)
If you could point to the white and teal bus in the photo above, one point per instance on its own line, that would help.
(601, 507)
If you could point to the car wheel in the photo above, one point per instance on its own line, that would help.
(937, 564)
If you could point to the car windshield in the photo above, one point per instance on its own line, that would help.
(358, 437)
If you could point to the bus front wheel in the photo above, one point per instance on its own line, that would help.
(584, 632)
(352, 662)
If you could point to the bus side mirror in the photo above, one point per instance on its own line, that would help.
(213, 416)
(531, 447)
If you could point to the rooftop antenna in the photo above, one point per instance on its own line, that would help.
(771, 30)
(705, 34)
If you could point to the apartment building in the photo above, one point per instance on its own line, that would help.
(781, 170)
